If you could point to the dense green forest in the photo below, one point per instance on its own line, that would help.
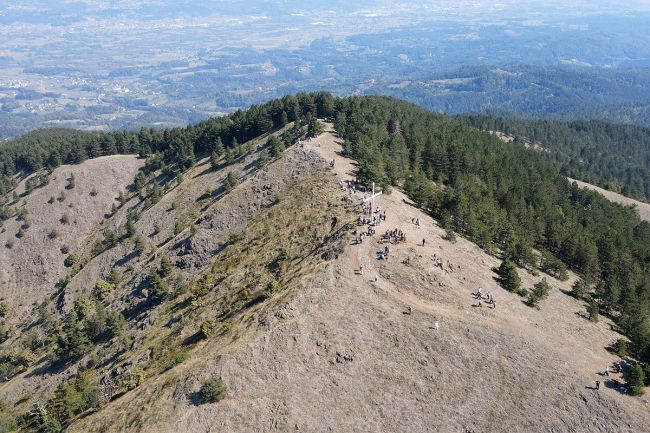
(508, 199)
(614, 156)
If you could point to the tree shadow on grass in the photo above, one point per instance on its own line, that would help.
(194, 398)
(46, 368)
(616, 385)
(127, 258)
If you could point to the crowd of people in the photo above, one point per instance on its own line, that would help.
(394, 236)
(371, 217)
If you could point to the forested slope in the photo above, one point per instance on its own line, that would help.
(507, 199)
(613, 156)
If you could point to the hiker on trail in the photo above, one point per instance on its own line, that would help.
(606, 373)
(423, 241)
(409, 310)
(479, 293)
(480, 302)
(489, 297)
(417, 222)
(386, 250)
(360, 269)
(597, 385)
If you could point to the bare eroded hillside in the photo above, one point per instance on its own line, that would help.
(58, 215)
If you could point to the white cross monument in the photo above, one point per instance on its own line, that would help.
(372, 197)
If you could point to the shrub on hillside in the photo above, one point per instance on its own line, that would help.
(102, 289)
(158, 288)
(179, 359)
(165, 267)
(71, 260)
(213, 390)
(450, 236)
(539, 292)
(620, 348)
(207, 327)
(593, 309)
(272, 287)
(231, 181)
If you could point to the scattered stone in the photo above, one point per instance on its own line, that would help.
(343, 358)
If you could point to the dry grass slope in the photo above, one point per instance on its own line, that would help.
(334, 350)
(34, 263)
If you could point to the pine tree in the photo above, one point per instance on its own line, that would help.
(139, 181)
(231, 181)
(635, 379)
(508, 276)
(314, 127)
(275, 146)
(539, 292)
(130, 227)
(165, 267)
(139, 245)
(263, 159)
(230, 157)
(158, 288)
(593, 309)
(214, 159)
(579, 289)
(114, 277)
